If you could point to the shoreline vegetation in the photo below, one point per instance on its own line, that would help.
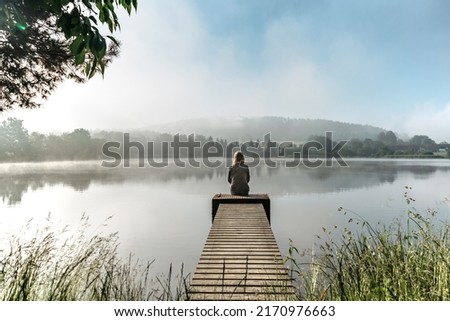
(59, 265)
(18, 145)
(405, 260)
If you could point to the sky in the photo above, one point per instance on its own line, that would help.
(383, 63)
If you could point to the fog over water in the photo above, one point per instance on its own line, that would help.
(165, 214)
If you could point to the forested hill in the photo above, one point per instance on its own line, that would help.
(17, 144)
(287, 129)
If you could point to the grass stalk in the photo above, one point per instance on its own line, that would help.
(59, 266)
(401, 261)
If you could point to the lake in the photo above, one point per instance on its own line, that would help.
(165, 214)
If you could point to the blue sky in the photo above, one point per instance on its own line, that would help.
(384, 63)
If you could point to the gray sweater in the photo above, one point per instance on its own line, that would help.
(238, 177)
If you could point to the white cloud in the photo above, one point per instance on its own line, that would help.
(174, 67)
(171, 68)
(431, 121)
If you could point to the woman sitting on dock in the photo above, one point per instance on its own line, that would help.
(239, 176)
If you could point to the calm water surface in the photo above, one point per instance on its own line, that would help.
(165, 214)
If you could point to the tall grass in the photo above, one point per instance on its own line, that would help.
(407, 260)
(59, 265)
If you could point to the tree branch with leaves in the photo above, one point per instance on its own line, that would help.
(44, 42)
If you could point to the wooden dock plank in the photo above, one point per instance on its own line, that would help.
(241, 259)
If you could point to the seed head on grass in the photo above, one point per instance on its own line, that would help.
(58, 265)
(401, 261)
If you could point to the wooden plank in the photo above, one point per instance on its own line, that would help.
(238, 282)
(241, 259)
(242, 288)
(241, 297)
(218, 277)
(256, 260)
(236, 199)
(239, 271)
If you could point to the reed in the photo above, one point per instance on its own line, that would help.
(407, 260)
(61, 266)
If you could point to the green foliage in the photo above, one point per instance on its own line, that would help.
(391, 138)
(17, 145)
(422, 140)
(387, 145)
(14, 139)
(367, 148)
(409, 261)
(388, 137)
(43, 42)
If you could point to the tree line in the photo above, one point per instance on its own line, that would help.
(17, 144)
(388, 145)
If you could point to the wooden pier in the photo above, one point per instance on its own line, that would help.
(241, 259)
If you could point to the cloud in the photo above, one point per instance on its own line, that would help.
(178, 63)
(431, 121)
(173, 67)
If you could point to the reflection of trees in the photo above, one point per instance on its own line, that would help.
(323, 174)
(15, 182)
(271, 171)
(12, 190)
(359, 174)
(423, 172)
(384, 172)
(18, 181)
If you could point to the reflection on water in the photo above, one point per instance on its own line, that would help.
(165, 214)
(18, 179)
